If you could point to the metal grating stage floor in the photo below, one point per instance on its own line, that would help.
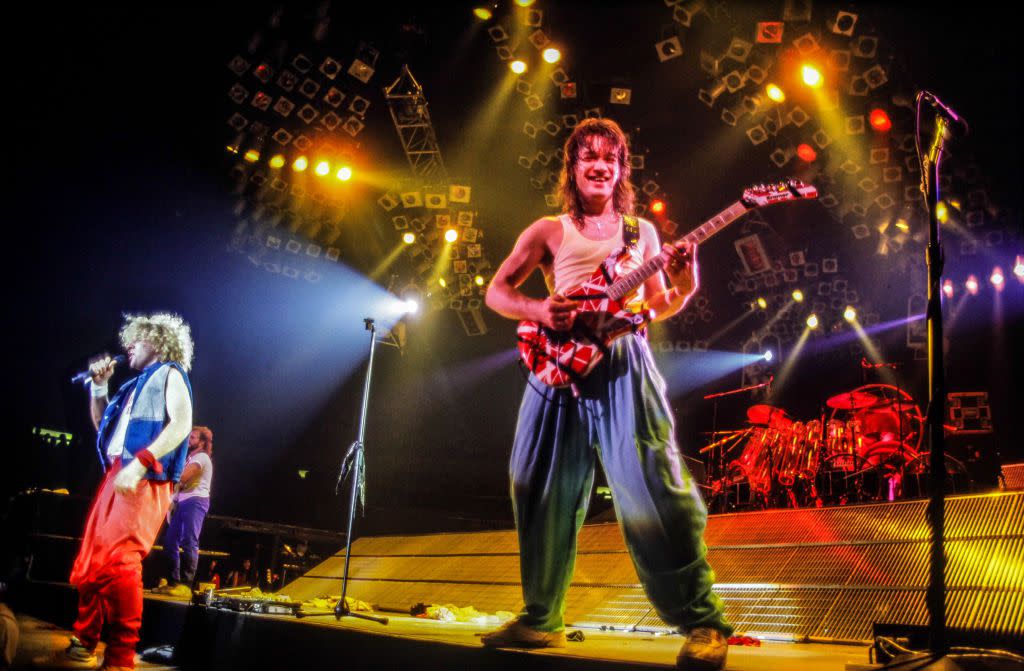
(807, 574)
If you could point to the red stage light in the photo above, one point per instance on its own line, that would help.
(971, 285)
(657, 206)
(947, 288)
(880, 120)
(806, 153)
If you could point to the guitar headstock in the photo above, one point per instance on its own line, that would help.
(760, 195)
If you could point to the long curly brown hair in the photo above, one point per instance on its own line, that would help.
(624, 195)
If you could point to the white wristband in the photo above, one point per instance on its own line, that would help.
(98, 390)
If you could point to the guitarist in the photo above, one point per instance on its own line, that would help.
(621, 416)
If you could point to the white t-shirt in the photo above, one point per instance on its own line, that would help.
(115, 448)
(202, 488)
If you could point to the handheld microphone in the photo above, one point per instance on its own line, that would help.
(85, 374)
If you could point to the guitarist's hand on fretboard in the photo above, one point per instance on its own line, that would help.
(682, 269)
(557, 312)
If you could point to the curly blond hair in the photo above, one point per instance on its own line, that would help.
(169, 334)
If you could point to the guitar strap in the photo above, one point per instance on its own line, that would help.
(630, 230)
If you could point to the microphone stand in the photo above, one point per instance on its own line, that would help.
(352, 465)
(936, 594)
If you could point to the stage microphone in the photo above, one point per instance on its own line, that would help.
(944, 109)
(85, 374)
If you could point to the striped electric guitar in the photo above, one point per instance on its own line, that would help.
(564, 358)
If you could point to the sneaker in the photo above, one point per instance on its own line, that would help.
(517, 635)
(181, 591)
(75, 656)
(705, 650)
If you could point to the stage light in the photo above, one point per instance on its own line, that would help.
(849, 314)
(482, 13)
(277, 161)
(775, 93)
(409, 238)
(811, 76)
(798, 296)
(947, 288)
(322, 168)
(971, 285)
(997, 279)
(412, 306)
(762, 303)
(552, 55)
(903, 225)
(451, 235)
(806, 153)
(518, 66)
(300, 164)
(768, 356)
(252, 156)
(478, 280)
(880, 120)
(942, 212)
(524, 3)
(440, 280)
(657, 206)
(344, 173)
(812, 322)
(1018, 268)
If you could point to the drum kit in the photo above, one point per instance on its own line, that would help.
(860, 449)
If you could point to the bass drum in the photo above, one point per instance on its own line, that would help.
(847, 478)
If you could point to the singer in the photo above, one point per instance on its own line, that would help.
(142, 439)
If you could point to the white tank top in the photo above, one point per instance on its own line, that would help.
(578, 257)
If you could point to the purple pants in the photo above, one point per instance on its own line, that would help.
(183, 532)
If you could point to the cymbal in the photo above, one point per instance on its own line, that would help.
(852, 400)
(769, 416)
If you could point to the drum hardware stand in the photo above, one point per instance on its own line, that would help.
(352, 465)
(720, 466)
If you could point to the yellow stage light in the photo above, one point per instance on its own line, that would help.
(482, 13)
(775, 93)
(451, 235)
(552, 55)
(345, 173)
(277, 161)
(798, 296)
(812, 322)
(762, 303)
(479, 280)
(409, 238)
(322, 168)
(300, 164)
(903, 225)
(518, 66)
(942, 212)
(232, 148)
(441, 281)
(812, 76)
(524, 3)
(849, 314)
(252, 156)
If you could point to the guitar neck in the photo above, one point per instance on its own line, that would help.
(626, 284)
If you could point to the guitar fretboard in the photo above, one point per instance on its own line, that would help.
(626, 284)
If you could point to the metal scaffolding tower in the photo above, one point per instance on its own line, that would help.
(409, 112)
